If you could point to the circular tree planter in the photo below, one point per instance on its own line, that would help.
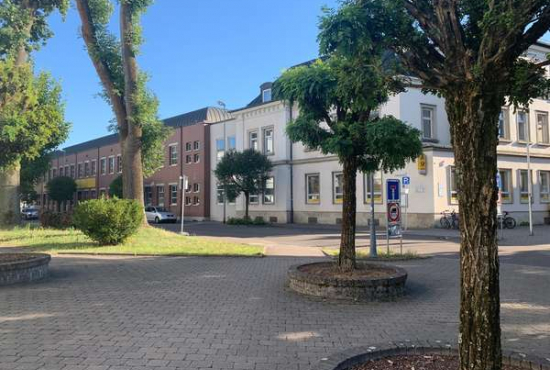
(370, 282)
(23, 267)
(445, 356)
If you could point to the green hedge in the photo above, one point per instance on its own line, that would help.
(108, 221)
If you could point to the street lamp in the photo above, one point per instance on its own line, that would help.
(529, 180)
(223, 106)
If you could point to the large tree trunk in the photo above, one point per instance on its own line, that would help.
(9, 196)
(346, 259)
(473, 118)
(246, 204)
(132, 170)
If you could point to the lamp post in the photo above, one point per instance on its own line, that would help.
(373, 247)
(222, 104)
(183, 184)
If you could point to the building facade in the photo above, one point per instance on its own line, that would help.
(306, 186)
(95, 164)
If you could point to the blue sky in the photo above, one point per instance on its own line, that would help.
(197, 52)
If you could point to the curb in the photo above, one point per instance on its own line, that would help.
(358, 355)
(155, 255)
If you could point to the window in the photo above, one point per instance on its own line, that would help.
(269, 190)
(524, 186)
(111, 164)
(148, 196)
(80, 173)
(119, 163)
(54, 172)
(505, 186)
(188, 147)
(173, 195)
(93, 168)
(196, 145)
(196, 201)
(220, 148)
(377, 188)
(60, 171)
(542, 128)
(231, 143)
(160, 195)
(86, 169)
(67, 171)
(173, 154)
(220, 194)
(254, 199)
(266, 95)
(428, 118)
(544, 186)
(187, 201)
(453, 186)
(337, 187)
(188, 187)
(268, 141)
(103, 166)
(504, 125)
(313, 189)
(197, 158)
(523, 126)
(72, 171)
(93, 194)
(196, 187)
(188, 159)
(253, 140)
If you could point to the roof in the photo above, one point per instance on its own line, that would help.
(204, 115)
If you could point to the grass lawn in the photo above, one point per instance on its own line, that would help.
(363, 253)
(148, 241)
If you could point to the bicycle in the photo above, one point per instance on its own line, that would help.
(449, 220)
(506, 221)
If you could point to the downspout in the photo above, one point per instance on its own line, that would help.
(181, 151)
(291, 216)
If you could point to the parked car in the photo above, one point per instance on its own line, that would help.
(159, 214)
(29, 213)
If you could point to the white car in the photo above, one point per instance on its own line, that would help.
(159, 214)
(29, 213)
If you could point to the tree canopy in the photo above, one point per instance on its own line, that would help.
(61, 188)
(243, 172)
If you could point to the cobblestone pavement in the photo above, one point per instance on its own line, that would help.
(235, 313)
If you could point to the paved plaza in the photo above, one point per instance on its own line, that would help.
(236, 313)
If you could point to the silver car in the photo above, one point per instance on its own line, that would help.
(29, 213)
(159, 214)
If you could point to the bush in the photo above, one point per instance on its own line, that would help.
(258, 221)
(108, 221)
(56, 220)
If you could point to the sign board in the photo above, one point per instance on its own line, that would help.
(393, 190)
(394, 212)
(421, 164)
(406, 180)
(86, 183)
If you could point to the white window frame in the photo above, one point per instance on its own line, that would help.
(196, 158)
(196, 187)
(432, 109)
(119, 163)
(524, 195)
(93, 167)
(269, 98)
(337, 196)
(111, 168)
(220, 191)
(173, 150)
(157, 187)
(220, 148)
(504, 117)
(257, 140)
(544, 194)
(541, 130)
(254, 198)
(196, 145)
(528, 131)
(229, 146)
(452, 193)
(265, 139)
(378, 194)
(313, 198)
(170, 188)
(272, 201)
(188, 146)
(86, 169)
(103, 166)
(506, 173)
(79, 170)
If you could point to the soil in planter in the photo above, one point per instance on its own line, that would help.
(363, 271)
(16, 257)
(431, 362)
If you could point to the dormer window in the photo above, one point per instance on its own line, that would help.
(266, 95)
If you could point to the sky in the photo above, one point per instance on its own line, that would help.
(196, 52)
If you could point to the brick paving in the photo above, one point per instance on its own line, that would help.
(235, 313)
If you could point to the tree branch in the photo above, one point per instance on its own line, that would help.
(89, 33)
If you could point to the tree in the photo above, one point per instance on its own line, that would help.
(243, 172)
(135, 107)
(115, 189)
(61, 189)
(32, 171)
(468, 52)
(31, 112)
(338, 99)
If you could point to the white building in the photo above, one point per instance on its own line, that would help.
(306, 187)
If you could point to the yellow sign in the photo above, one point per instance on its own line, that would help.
(85, 183)
(421, 164)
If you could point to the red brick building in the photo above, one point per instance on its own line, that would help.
(96, 163)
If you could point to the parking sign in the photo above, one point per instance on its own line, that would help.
(406, 180)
